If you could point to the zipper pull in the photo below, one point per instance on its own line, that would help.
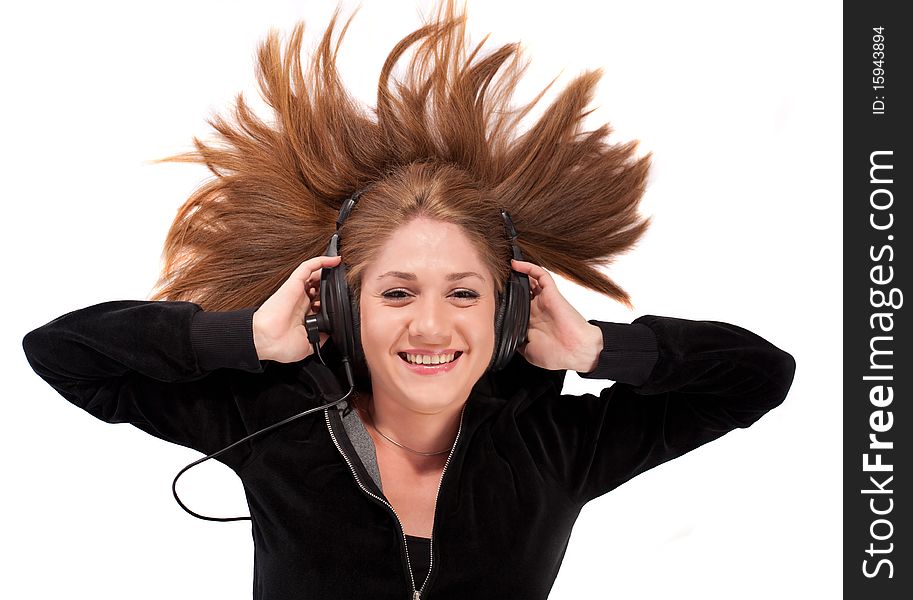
(416, 595)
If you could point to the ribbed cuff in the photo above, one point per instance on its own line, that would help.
(225, 339)
(629, 353)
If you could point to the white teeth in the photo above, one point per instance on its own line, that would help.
(425, 359)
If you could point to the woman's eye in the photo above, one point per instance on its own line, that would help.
(466, 294)
(391, 295)
(402, 295)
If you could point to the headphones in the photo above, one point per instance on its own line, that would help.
(338, 317)
(339, 313)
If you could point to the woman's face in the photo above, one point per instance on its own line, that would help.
(427, 292)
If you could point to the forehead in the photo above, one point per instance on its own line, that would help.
(424, 249)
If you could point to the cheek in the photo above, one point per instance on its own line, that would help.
(370, 328)
(372, 332)
(482, 327)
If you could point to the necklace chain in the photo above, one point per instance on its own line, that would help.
(373, 426)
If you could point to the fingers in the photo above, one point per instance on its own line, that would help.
(309, 270)
(539, 278)
(305, 278)
(313, 268)
(529, 268)
(308, 273)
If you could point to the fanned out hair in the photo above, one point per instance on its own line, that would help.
(442, 143)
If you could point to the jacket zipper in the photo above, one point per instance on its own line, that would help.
(416, 593)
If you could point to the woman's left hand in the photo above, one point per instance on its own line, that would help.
(558, 338)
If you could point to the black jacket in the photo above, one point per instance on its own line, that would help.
(525, 461)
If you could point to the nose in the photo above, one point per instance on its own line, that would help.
(430, 321)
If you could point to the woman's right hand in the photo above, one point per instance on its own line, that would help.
(279, 332)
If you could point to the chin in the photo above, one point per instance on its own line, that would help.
(434, 391)
(431, 408)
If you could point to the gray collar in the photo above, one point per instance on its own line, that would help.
(363, 444)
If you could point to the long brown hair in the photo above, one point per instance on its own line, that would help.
(443, 141)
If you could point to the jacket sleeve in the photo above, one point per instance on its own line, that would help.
(679, 384)
(165, 367)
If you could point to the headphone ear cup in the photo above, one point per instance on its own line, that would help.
(358, 353)
(337, 307)
(359, 362)
(499, 327)
(515, 320)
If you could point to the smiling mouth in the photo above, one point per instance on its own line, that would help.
(456, 356)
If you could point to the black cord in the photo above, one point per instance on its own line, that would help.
(266, 429)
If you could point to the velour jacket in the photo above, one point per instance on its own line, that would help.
(526, 458)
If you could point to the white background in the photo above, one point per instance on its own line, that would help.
(741, 106)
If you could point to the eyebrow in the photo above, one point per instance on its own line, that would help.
(412, 276)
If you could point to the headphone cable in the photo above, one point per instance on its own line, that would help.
(349, 376)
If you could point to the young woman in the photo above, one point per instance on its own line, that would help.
(447, 471)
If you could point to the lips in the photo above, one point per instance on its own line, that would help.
(431, 369)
